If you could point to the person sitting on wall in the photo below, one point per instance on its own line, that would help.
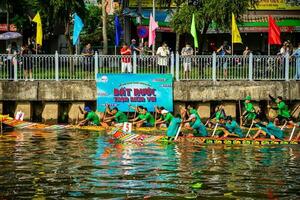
(268, 129)
(91, 117)
(229, 128)
(117, 117)
(165, 119)
(195, 124)
(145, 119)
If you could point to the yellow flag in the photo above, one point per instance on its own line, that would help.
(235, 34)
(39, 29)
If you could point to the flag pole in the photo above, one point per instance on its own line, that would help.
(268, 49)
(153, 13)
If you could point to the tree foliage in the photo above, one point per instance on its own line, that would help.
(209, 11)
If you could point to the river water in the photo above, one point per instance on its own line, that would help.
(89, 165)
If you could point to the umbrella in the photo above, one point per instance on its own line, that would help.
(10, 35)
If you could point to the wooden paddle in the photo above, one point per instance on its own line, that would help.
(285, 123)
(240, 110)
(292, 133)
(215, 129)
(178, 131)
(252, 123)
(155, 116)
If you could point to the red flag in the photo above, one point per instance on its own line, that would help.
(274, 32)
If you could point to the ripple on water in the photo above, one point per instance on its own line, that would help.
(87, 165)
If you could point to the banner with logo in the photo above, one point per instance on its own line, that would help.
(123, 90)
(149, 4)
(278, 5)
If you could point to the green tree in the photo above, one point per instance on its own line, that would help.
(62, 13)
(209, 11)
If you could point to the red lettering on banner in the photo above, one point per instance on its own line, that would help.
(144, 92)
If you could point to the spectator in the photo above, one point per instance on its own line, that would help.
(290, 47)
(163, 52)
(126, 59)
(296, 54)
(187, 52)
(224, 50)
(133, 47)
(284, 49)
(88, 53)
(12, 52)
(26, 61)
(246, 52)
(146, 50)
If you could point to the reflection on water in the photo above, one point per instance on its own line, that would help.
(86, 165)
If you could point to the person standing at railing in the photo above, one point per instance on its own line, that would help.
(88, 53)
(12, 53)
(163, 53)
(133, 47)
(187, 52)
(246, 52)
(26, 62)
(146, 50)
(224, 50)
(126, 59)
(296, 55)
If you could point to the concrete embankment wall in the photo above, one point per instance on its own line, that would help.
(51, 100)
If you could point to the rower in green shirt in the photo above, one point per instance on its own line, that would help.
(192, 110)
(219, 113)
(174, 126)
(283, 114)
(145, 119)
(91, 117)
(165, 119)
(268, 129)
(117, 117)
(249, 113)
(195, 124)
(230, 127)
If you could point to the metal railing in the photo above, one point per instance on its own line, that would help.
(197, 67)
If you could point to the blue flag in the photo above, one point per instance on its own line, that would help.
(78, 25)
(119, 31)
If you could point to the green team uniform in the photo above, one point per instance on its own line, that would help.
(250, 111)
(168, 118)
(173, 127)
(233, 127)
(283, 110)
(199, 128)
(149, 119)
(141, 116)
(194, 111)
(93, 118)
(271, 129)
(219, 115)
(120, 117)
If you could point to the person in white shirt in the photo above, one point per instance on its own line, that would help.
(163, 53)
(187, 52)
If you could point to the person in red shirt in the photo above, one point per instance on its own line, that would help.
(126, 59)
